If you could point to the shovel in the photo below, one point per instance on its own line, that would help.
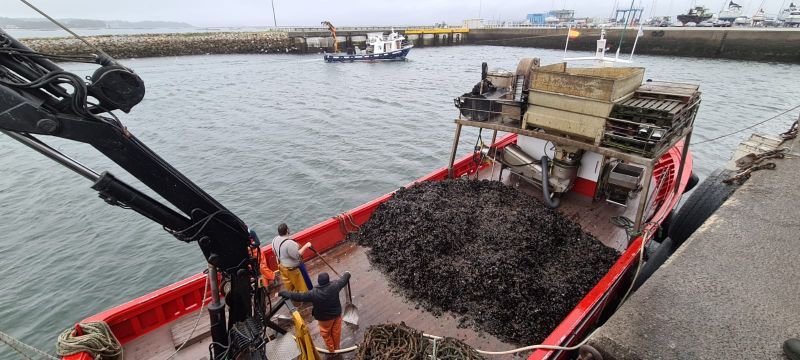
(350, 315)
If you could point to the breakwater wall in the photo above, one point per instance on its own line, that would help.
(154, 45)
(761, 44)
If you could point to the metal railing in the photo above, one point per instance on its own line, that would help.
(479, 108)
(339, 29)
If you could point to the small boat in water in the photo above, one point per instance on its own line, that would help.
(380, 47)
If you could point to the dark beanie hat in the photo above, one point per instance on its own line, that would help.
(323, 279)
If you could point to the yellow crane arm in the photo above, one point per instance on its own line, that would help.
(332, 29)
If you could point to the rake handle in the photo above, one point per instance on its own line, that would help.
(349, 292)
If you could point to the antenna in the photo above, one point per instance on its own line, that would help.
(54, 21)
(274, 19)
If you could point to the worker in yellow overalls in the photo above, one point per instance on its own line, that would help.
(290, 256)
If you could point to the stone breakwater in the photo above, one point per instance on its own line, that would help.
(155, 45)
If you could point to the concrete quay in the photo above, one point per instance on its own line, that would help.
(761, 44)
(731, 291)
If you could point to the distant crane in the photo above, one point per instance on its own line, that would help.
(332, 29)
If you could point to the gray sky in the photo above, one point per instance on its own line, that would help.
(345, 12)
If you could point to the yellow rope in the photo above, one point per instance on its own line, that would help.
(97, 339)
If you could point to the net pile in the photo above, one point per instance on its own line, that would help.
(400, 342)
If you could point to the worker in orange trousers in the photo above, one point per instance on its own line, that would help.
(327, 306)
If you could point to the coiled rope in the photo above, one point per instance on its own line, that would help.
(96, 339)
(391, 342)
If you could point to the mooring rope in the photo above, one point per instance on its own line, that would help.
(748, 127)
(19, 346)
(97, 339)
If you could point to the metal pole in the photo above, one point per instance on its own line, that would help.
(684, 153)
(494, 155)
(648, 177)
(53, 154)
(216, 312)
(274, 19)
(453, 152)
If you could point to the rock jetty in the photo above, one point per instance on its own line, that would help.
(155, 45)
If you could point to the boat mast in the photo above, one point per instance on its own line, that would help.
(274, 19)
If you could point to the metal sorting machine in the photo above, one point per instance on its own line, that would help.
(598, 132)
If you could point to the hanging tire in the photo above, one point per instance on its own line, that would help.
(693, 180)
(703, 202)
(657, 254)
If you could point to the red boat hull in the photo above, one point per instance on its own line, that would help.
(147, 313)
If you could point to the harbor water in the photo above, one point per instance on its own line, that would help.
(282, 138)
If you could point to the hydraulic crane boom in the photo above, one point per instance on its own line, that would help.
(37, 97)
(332, 29)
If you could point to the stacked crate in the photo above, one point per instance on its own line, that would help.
(575, 102)
(649, 120)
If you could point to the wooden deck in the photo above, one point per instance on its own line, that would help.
(593, 216)
(372, 294)
(378, 304)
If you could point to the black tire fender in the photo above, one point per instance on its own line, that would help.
(658, 253)
(693, 180)
(704, 201)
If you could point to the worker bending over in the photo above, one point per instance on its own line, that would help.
(290, 256)
(327, 307)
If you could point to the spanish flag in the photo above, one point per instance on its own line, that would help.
(574, 33)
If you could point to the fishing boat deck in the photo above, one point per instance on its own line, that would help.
(372, 294)
(378, 304)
